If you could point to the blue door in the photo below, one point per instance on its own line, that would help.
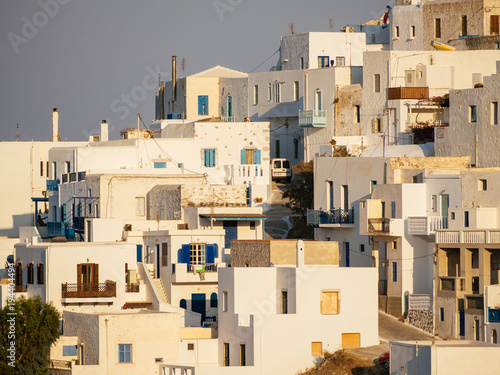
(231, 228)
(158, 261)
(462, 322)
(199, 304)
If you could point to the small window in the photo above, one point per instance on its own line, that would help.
(70, 351)
(393, 210)
(269, 93)
(396, 31)
(466, 219)
(323, 61)
(226, 354)
(452, 216)
(376, 83)
(39, 274)
(277, 92)
(373, 183)
(340, 61)
(124, 353)
(41, 169)
(252, 225)
(394, 272)
(437, 28)
(209, 157)
(202, 105)
(296, 91)
(301, 63)
(357, 114)
(494, 113)
(472, 113)
(190, 346)
(243, 355)
(441, 314)
(31, 271)
(378, 125)
(483, 185)
(434, 203)
(197, 253)
(140, 203)
(464, 25)
(277, 148)
(362, 248)
(225, 301)
(412, 32)
(394, 245)
(159, 164)
(284, 302)
(295, 148)
(164, 254)
(213, 300)
(182, 302)
(329, 303)
(316, 349)
(68, 167)
(255, 94)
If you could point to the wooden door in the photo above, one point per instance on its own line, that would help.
(350, 340)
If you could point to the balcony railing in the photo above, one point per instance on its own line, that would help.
(90, 290)
(312, 119)
(397, 93)
(315, 218)
(426, 225)
(20, 288)
(53, 185)
(452, 284)
(468, 236)
(228, 118)
(378, 225)
(55, 228)
(202, 268)
(131, 288)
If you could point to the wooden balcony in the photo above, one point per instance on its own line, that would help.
(131, 288)
(91, 290)
(398, 93)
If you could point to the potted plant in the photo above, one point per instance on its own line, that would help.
(333, 142)
(258, 200)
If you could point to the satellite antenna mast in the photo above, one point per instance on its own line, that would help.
(331, 25)
(17, 133)
(292, 26)
(183, 65)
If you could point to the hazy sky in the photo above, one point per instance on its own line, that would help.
(99, 59)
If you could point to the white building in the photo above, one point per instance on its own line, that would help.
(491, 313)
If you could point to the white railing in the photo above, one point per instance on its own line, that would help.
(468, 236)
(448, 236)
(419, 302)
(426, 225)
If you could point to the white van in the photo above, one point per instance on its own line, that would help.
(280, 170)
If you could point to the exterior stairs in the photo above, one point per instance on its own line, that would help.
(161, 290)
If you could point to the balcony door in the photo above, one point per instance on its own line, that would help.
(445, 205)
(88, 273)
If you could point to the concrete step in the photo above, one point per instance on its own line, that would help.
(161, 290)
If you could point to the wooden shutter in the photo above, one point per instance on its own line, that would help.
(494, 25)
(374, 126)
(95, 274)
(350, 340)
(79, 273)
(329, 303)
(381, 128)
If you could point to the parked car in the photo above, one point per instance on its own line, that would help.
(280, 170)
(384, 360)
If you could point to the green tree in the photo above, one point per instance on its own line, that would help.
(300, 191)
(30, 326)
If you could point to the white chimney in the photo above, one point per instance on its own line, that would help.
(300, 253)
(55, 125)
(104, 131)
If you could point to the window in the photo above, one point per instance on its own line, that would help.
(226, 354)
(164, 254)
(182, 302)
(357, 114)
(277, 148)
(140, 203)
(393, 210)
(190, 346)
(252, 225)
(255, 94)
(209, 157)
(412, 32)
(225, 302)
(39, 274)
(213, 300)
(376, 83)
(452, 216)
(394, 272)
(362, 248)
(41, 169)
(483, 185)
(378, 125)
(466, 219)
(68, 167)
(395, 245)
(284, 302)
(396, 31)
(323, 61)
(277, 92)
(124, 353)
(345, 197)
(250, 156)
(269, 93)
(317, 101)
(54, 170)
(301, 63)
(330, 188)
(441, 314)
(329, 303)
(494, 113)
(159, 164)
(202, 105)
(197, 253)
(434, 203)
(340, 61)
(30, 270)
(70, 351)
(243, 356)
(383, 209)
(296, 91)
(437, 28)
(464, 25)
(494, 25)
(373, 183)
(295, 148)
(316, 349)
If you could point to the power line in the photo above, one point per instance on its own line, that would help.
(262, 63)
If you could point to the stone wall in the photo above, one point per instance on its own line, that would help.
(214, 196)
(252, 253)
(422, 319)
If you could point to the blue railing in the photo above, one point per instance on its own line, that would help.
(53, 185)
(316, 218)
(55, 228)
(312, 119)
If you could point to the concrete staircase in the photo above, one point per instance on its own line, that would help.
(161, 290)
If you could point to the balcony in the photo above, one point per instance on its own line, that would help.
(227, 118)
(426, 225)
(451, 284)
(53, 185)
(131, 288)
(467, 236)
(90, 290)
(189, 273)
(55, 228)
(312, 119)
(378, 225)
(20, 288)
(330, 219)
(398, 93)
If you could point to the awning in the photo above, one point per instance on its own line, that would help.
(229, 217)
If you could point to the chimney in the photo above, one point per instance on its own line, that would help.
(55, 125)
(104, 131)
(174, 78)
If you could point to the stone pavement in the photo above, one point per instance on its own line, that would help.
(278, 223)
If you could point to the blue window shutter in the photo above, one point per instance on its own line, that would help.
(139, 253)
(257, 156)
(179, 256)
(243, 157)
(205, 158)
(200, 105)
(186, 254)
(212, 158)
(211, 253)
(205, 101)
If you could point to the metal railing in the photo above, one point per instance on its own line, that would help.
(89, 290)
(131, 288)
(312, 119)
(338, 216)
(202, 267)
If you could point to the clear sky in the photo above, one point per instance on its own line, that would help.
(99, 59)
